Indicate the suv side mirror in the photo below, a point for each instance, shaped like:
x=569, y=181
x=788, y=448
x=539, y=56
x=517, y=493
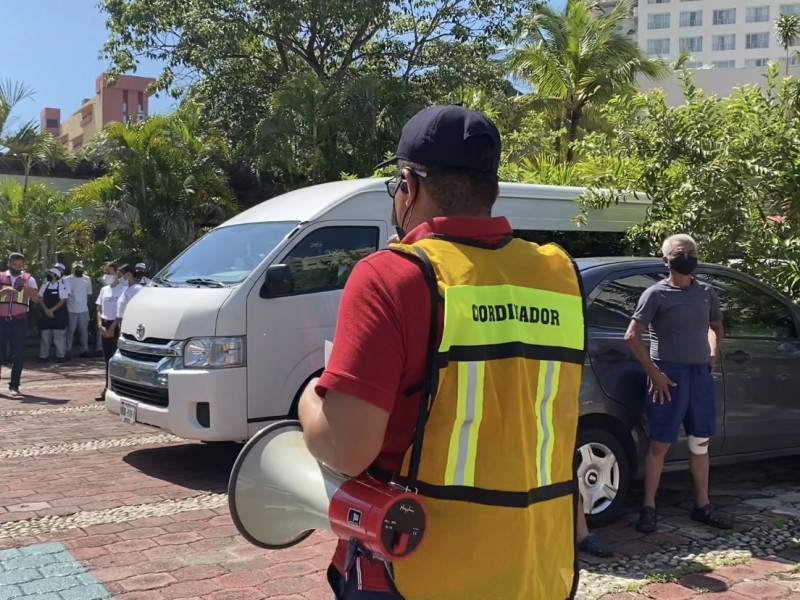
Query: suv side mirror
x=277, y=282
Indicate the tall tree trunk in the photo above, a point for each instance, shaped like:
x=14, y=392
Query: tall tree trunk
x=572, y=131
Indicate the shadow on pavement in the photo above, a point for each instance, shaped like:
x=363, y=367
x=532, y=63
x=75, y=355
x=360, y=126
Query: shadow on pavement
x=204, y=467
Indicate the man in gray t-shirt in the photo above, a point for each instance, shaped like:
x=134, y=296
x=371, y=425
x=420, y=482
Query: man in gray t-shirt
x=685, y=325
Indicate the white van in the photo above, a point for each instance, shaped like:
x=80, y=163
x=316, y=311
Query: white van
x=226, y=336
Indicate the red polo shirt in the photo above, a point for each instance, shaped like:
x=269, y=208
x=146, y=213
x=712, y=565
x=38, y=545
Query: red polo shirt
x=381, y=342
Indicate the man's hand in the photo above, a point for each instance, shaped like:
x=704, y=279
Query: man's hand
x=50, y=314
x=659, y=387
x=104, y=332
x=713, y=360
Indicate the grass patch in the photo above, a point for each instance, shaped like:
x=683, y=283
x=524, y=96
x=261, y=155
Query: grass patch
x=733, y=561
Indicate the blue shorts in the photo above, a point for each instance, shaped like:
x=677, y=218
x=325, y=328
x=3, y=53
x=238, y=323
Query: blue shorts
x=693, y=404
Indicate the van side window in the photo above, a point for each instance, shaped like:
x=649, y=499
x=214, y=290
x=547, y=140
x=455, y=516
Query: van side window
x=324, y=259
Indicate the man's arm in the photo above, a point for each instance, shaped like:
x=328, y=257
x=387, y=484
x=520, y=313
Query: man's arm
x=644, y=315
x=342, y=431
x=633, y=338
x=32, y=292
x=345, y=414
x=716, y=331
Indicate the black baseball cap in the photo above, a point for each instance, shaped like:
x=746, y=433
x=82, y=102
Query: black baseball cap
x=449, y=136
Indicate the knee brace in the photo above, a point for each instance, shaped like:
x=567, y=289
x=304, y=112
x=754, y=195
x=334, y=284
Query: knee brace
x=698, y=445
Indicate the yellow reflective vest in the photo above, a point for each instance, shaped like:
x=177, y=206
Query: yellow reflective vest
x=495, y=460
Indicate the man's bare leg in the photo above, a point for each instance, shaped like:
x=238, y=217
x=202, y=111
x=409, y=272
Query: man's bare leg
x=654, y=465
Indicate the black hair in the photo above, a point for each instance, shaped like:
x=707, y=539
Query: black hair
x=457, y=191
x=15, y=256
x=112, y=265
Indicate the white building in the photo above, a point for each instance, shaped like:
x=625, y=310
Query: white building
x=724, y=34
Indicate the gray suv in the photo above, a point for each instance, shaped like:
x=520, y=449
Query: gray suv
x=757, y=378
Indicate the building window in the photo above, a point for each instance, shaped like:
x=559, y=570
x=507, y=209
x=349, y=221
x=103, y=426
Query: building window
x=694, y=64
x=690, y=44
x=659, y=21
x=756, y=40
x=756, y=62
x=725, y=17
x=724, y=64
x=52, y=124
x=124, y=106
x=790, y=9
x=658, y=1
x=658, y=47
x=723, y=42
x=692, y=18
x=757, y=14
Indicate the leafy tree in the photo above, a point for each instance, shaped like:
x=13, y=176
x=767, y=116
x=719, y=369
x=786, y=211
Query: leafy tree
x=40, y=222
x=306, y=90
x=787, y=29
x=165, y=182
x=576, y=60
x=726, y=170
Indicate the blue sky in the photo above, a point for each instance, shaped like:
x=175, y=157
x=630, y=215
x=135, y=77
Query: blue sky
x=53, y=47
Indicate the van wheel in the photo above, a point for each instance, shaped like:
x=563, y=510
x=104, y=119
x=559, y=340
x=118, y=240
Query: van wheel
x=604, y=475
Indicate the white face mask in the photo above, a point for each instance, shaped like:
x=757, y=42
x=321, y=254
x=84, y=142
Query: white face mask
x=108, y=279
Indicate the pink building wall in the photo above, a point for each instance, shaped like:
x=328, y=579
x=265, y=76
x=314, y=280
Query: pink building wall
x=125, y=100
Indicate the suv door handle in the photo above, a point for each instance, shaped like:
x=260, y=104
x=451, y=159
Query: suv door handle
x=738, y=357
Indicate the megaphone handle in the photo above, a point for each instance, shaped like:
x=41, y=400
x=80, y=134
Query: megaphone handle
x=350, y=557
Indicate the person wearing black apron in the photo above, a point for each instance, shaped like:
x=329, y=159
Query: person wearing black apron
x=54, y=318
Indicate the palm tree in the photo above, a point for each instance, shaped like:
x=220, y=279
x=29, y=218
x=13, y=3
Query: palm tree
x=577, y=59
x=787, y=29
x=11, y=94
x=39, y=220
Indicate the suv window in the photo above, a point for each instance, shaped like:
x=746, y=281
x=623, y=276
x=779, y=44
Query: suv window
x=747, y=312
x=616, y=302
x=324, y=259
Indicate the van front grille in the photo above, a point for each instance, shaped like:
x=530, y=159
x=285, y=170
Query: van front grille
x=142, y=393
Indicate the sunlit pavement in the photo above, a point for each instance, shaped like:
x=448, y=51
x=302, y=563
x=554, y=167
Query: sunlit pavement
x=91, y=508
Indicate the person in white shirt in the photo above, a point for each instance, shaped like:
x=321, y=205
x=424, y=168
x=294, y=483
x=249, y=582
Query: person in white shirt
x=54, y=321
x=133, y=278
x=107, y=301
x=17, y=290
x=80, y=288
x=143, y=268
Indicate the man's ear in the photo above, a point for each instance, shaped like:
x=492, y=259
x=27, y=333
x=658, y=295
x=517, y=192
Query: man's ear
x=413, y=187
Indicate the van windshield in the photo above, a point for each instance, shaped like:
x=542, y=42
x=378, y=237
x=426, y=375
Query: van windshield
x=225, y=256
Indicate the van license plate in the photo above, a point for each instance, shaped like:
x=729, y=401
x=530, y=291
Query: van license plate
x=127, y=412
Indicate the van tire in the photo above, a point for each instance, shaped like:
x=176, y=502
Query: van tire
x=598, y=474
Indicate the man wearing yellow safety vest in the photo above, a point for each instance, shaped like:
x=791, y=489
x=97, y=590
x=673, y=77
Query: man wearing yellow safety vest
x=455, y=369
x=17, y=290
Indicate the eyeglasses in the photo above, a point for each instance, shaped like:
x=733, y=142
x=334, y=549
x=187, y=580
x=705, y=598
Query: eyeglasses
x=393, y=184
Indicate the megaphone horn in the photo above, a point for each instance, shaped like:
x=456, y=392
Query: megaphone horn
x=278, y=494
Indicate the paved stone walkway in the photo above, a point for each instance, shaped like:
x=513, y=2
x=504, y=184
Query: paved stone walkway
x=91, y=508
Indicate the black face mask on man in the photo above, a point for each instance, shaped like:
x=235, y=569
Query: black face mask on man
x=79, y=272
x=685, y=265
x=15, y=272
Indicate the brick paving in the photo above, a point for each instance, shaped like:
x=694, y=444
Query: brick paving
x=92, y=509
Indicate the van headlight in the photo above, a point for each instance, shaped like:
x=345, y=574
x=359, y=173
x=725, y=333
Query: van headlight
x=214, y=353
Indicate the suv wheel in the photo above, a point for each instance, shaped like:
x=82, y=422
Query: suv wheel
x=603, y=475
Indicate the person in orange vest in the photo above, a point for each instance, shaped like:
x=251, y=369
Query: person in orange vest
x=17, y=290
x=455, y=371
